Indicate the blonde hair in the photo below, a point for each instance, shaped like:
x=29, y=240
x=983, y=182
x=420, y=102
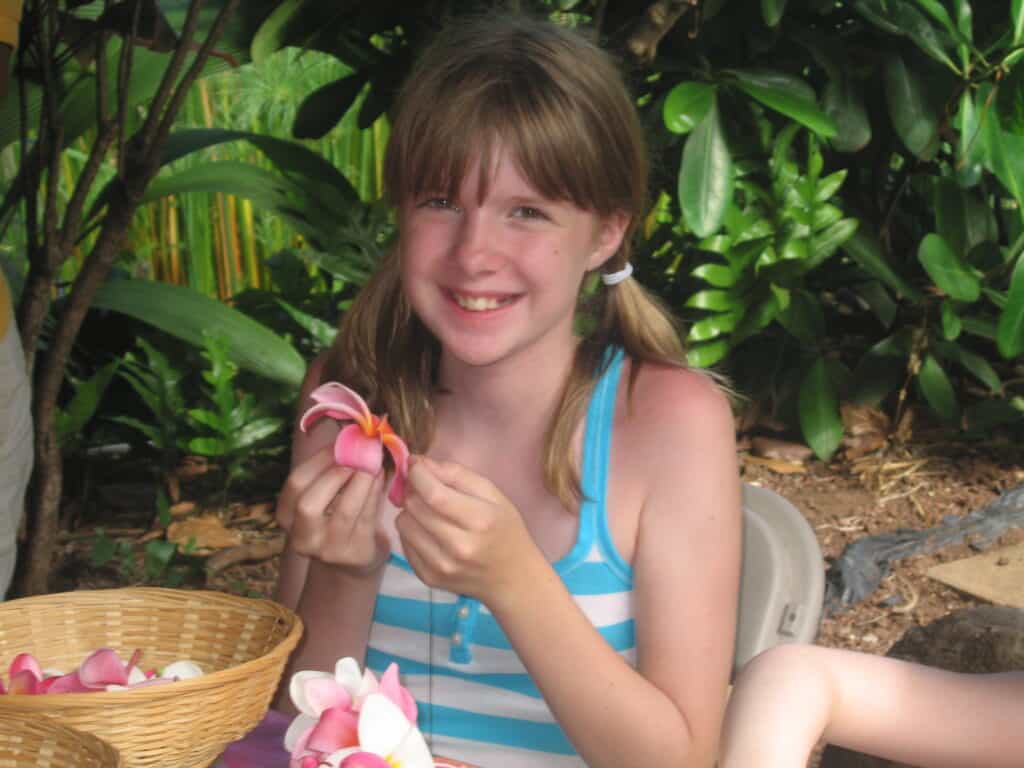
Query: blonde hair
x=557, y=103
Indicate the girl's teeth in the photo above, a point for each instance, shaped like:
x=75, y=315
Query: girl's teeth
x=478, y=304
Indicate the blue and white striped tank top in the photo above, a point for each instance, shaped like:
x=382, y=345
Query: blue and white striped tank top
x=476, y=700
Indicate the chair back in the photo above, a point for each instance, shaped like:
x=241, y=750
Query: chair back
x=782, y=581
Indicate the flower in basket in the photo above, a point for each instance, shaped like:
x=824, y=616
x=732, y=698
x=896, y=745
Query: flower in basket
x=352, y=720
x=360, y=445
x=102, y=670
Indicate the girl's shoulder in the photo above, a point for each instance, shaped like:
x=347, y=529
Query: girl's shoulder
x=668, y=411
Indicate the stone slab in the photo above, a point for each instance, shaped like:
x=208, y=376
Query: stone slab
x=996, y=576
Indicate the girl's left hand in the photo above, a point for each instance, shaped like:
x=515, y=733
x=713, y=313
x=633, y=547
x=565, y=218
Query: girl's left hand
x=459, y=532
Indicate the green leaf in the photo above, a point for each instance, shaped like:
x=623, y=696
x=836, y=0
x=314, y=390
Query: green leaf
x=186, y=314
x=951, y=325
x=937, y=389
x=772, y=10
x=913, y=117
x=706, y=355
x=74, y=417
x=686, y=105
x=323, y=332
x=713, y=326
x=1004, y=153
x=1010, y=328
x=974, y=364
x=717, y=275
x=804, y=318
x=256, y=430
x=787, y=95
x=1017, y=16
x=824, y=244
x=705, y=176
x=818, y=407
x=208, y=446
x=844, y=103
x=714, y=300
x=901, y=18
x=270, y=36
x=875, y=295
x=829, y=185
x=867, y=252
x=321, y=110
x=876, y=377
x=947, y=270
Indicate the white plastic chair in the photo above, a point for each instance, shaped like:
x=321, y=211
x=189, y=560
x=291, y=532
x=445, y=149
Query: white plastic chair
x=782, y=582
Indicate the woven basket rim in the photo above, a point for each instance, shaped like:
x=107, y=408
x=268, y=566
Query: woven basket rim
x=155, y=692
x=80, y=738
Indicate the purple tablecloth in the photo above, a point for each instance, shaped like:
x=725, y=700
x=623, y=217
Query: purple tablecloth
x=263, y=747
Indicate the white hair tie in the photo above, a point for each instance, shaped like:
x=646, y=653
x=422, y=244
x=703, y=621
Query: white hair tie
x=614, y=278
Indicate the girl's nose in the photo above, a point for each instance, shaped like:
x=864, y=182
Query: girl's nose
x=477, y=244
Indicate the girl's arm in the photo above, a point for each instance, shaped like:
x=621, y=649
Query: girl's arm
x=686, y=578
x=334, y=603
x=791, y=695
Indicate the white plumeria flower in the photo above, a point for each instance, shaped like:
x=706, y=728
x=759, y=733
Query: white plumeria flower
x=179, y=670
x=385, y=731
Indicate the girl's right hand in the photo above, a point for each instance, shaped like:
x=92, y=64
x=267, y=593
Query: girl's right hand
x=332, y=514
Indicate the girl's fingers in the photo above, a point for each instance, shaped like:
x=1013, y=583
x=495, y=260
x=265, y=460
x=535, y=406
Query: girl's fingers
x=421, y=548
x=298, y=481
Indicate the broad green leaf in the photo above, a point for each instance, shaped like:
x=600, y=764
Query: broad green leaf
x=970, y=151
x=717, y=275
x=938, y=12
x=937, y=389
x=705, y=176
x=961, y=218
x=787, y=95
x=913, y=117
x=980, y=326
x=951, y=325
x=1004, y=152
x=818, y=407
x=875, y=295
x=974, y=364
x=899, y=17
x=706, y=355
x=186, y=314
x=772, y=10
x=714, y=300
x=828, y=186
x=876, y=377
x=1010, y=328
x=256, y=430
x=947, y=270
x=322, y=331
x=321, y=110
x=844, y=103
x=1017, y=16
x=804, y=318
x=686, y=105
x=867, y=252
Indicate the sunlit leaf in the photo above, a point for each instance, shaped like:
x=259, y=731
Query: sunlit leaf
x=951, y=325
x=686, y=105
x=706, y=355
x=772, y=10
x=787, y=95
x=705, y=176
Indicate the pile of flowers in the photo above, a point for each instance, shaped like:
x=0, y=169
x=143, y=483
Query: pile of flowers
x=102, y=670
x=352, y=720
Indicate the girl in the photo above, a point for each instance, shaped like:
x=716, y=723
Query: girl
x=560, y=586
x=790, y=696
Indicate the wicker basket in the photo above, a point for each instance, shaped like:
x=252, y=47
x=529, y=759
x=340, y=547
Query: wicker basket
x=241, y=644
x=43, y=743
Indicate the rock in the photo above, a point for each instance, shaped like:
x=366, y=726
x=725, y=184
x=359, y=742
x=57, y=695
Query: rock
x=983, y=639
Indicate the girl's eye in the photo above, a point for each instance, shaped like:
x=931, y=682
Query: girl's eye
x=528, y=212
x=440, y=203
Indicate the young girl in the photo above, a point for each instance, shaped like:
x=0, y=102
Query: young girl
x=560, y=586
x=790, y=696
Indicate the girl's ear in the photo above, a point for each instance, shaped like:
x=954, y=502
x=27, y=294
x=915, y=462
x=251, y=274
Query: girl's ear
x=609, y=238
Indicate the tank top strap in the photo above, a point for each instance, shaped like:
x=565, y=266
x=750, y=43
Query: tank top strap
x=598, y=439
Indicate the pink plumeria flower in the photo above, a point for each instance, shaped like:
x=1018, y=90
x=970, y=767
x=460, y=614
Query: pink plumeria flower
x=102, y=670
x=387, y=739
x=360, y=445
x=329, y=707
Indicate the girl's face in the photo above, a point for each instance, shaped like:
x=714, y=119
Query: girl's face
x=497, y=276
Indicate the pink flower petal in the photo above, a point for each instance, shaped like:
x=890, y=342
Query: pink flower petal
x=104, y=667
x=323, y=410
x=393, y=689
x=354, y=449
x=338, y=728
x=364, y=760
x=400, y=454
x=24, y=682
x=323, y=693
x=26, y=661
x=68, y=683
x=344, y=398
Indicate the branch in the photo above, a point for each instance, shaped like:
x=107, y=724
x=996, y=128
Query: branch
x=166, y=88
x=254, y=550
x=656, y=22
x=124, y=67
